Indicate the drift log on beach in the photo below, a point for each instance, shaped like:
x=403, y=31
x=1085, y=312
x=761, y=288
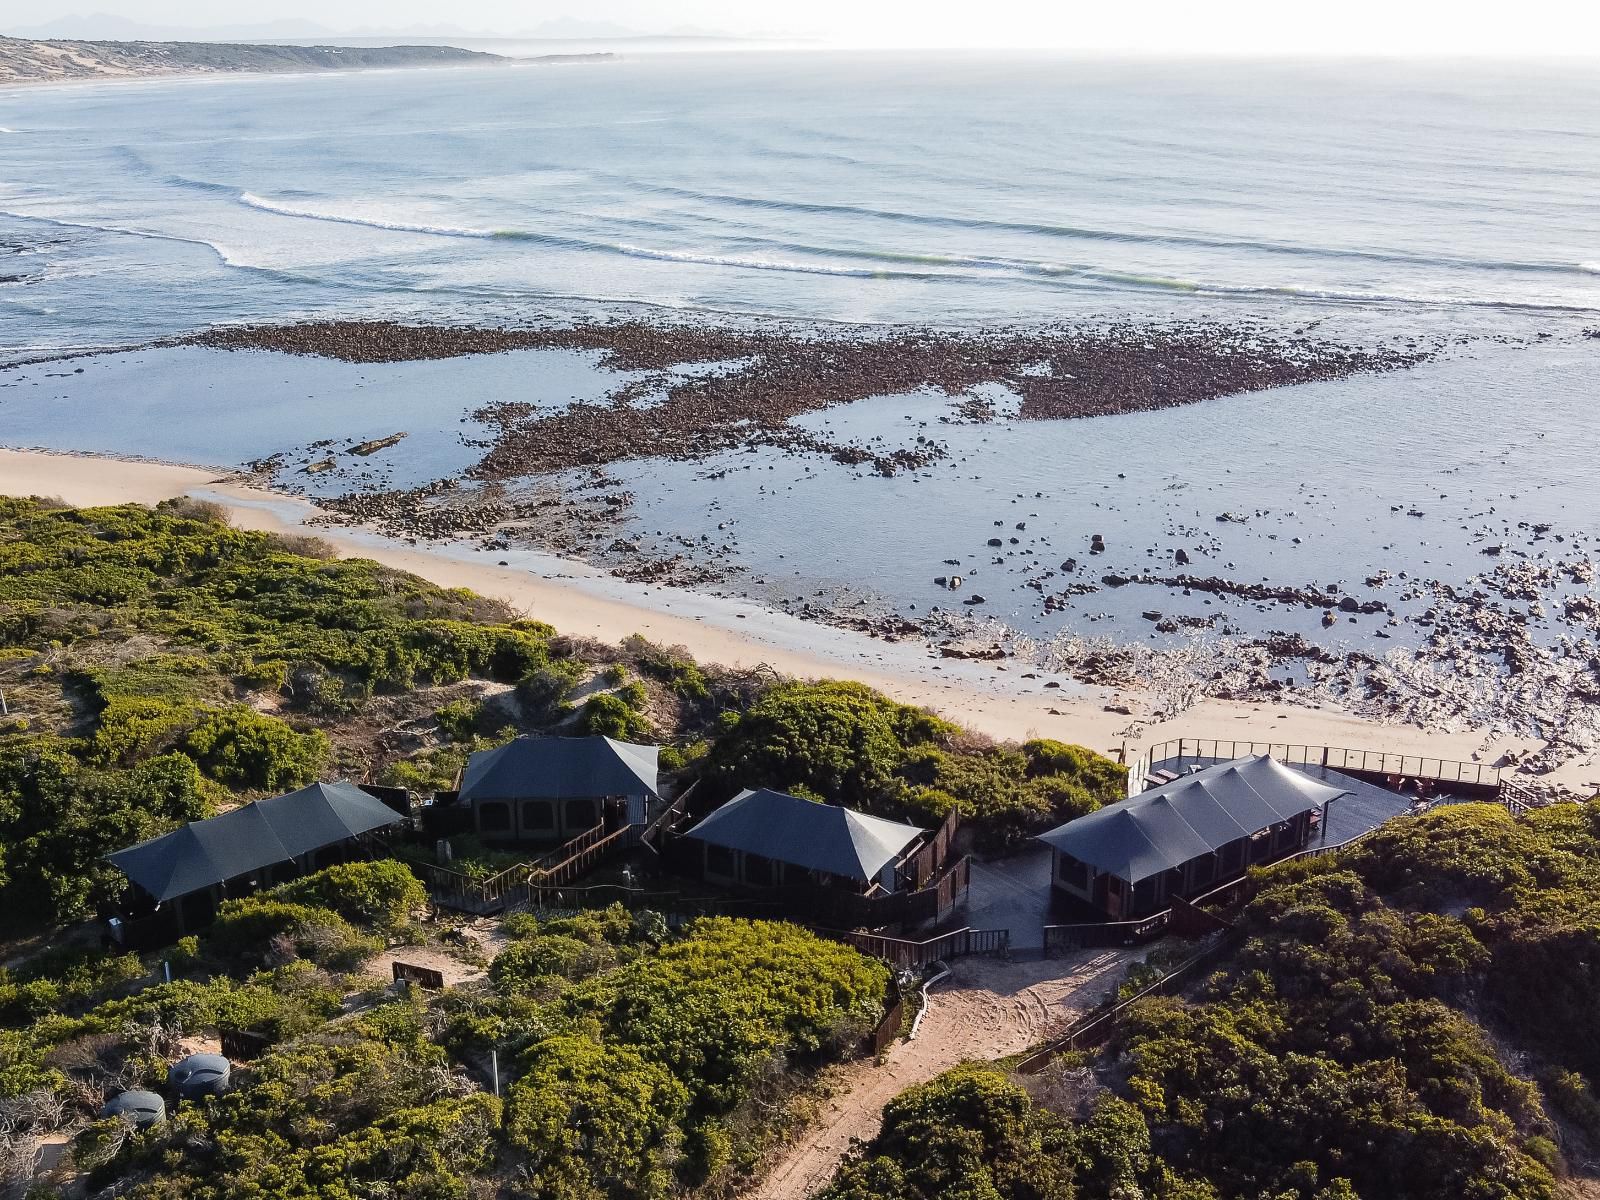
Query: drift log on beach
x=765, y=378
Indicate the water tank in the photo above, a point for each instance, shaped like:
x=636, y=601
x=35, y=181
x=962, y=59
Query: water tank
x=199, y=1075
x=139, y=1109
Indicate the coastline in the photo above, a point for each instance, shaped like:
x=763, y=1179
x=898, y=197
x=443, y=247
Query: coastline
x=579, y=601
x=29, y=60
x=199, y=73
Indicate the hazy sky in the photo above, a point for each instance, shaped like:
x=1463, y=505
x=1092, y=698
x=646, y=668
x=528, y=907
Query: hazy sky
x=1242, y=26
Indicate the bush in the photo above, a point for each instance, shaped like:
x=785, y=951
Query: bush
x=543, y=689
x=845, y=743
x=841, y=741
x=246, y=749
x=459, y=719
x=381, y=895
x=266, y=930
x=608, y=715
x=596, y=1120
x=672, y=667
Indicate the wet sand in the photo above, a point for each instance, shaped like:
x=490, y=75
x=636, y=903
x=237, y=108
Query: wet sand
x=580, y=600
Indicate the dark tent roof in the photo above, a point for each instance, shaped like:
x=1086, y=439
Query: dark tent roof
x=1167, y=826
x=819, y=837
x=250, y=837
x=556, y=768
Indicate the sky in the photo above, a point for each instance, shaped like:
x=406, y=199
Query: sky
x=1382, y=27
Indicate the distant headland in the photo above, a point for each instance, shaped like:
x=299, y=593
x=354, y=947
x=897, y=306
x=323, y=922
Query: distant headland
x=24, y=60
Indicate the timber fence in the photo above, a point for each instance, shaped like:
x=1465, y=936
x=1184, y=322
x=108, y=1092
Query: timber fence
x=1098, y=1028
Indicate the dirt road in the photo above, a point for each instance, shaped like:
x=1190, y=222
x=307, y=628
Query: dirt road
x=987, y=1009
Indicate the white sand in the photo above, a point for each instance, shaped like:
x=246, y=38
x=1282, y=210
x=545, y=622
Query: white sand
x=577, y=601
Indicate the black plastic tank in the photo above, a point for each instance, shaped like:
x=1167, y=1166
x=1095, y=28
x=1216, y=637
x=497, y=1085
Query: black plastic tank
x=198, y=1076
x=139, y=1109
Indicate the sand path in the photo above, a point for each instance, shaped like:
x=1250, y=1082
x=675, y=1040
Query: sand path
x=581, y=601
x=987, y=1009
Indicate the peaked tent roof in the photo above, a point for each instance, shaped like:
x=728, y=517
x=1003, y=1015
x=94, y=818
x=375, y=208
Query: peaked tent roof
x=1167, y=826
x=555, y=768
x=252, y=836
x=819, y=837
x=323, y=814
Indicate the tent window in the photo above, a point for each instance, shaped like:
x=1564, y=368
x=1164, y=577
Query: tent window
x=1232, y=856
x=538, y=815
x=1074, y=873
x=1144, y=894
x=581, y=815
x=757, y=870
x=494, y=817
x=719, y=861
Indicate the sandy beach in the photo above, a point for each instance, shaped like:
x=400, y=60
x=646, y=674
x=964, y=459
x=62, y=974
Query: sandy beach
x=984, y=697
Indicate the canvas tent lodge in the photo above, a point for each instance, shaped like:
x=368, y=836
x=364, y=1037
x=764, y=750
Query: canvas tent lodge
x=824, y=862
x=766, y=838
x=1134, y=858
x=180, y=877
x=551, y=789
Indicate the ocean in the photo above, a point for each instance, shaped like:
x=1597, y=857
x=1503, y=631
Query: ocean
x=849, y=187
x=1454, y=204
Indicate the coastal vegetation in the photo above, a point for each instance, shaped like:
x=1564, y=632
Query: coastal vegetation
x=636, y=1063
x=158, y=665
x=844, y=741
x=1413, y=1019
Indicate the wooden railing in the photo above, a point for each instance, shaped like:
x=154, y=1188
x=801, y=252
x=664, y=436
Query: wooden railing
x=1097, y=1028
x=675, y=906
x=582, y=858
x=450, y=888
x=929, y=857
x=1517, y=799
x=666, y=819
x=900, y=952
x=1061, y=938
x=1338, y=758
x=888, y=1028
x=570, y=847
x=511, y=887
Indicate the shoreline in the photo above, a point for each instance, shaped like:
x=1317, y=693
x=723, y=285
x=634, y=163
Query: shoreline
x=42, y=81
x=29, y=60
x=581, y=601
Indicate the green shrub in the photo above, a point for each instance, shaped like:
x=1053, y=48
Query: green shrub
x=382, y=894
x=246, y=749
x=458, y=719
x=596, y=1120
x=608, y=715
x=672, y=667
x=841, y=741
x=684, y=758
x=266, y=930
x=542, y=691
x=58, y=819
x=845, y=743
